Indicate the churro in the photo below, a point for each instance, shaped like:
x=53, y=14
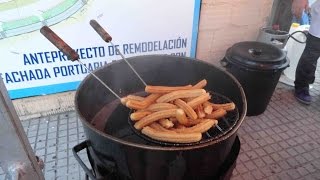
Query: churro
x=166, y=123
x=181, y=117
x=180, y=126
x=158, y=127
x=217, y=114
x=227, y=106
x=134, y=104
x=207, y=107
x=139, y=115
x=165, y=89
x=161, y=106
x=180, y=94
x=154, y=117
x=186, y=108
x=124, y=100
x=202, y=127
x=199, y=100
x=201, y=84
x=171, y=137
x=200, y=111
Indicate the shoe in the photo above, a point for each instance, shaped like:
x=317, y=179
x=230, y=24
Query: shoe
x=303, y=96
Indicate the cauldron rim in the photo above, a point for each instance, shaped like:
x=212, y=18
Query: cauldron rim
x=166, y=148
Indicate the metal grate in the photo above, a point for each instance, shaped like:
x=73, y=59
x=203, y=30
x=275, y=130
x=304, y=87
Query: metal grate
x=224, y=126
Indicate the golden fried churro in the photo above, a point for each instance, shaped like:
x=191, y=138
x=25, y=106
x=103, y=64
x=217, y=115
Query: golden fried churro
x=217, y=114
x=139, y=115
x=158, y=127
x=227, y=106
x=166, y=123
x=180, y=94
x=135, y=97
x=181, y=117
x=180, y=126
x=202, y=127
x=200, y=111
x=161, y=106
x=124, y=100
x=192, y=122
x=165, y=89
x=201, y=84
x=186, y=108
x=171, y=137
x=134, y=104
x=207, y=107
x=199, y=100
x=187, y=99
x=154, y=117
x=150, y=99
x=173, y=119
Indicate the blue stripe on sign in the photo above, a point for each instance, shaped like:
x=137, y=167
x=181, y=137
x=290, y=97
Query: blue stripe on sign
x=195, y=27
x=43, y=90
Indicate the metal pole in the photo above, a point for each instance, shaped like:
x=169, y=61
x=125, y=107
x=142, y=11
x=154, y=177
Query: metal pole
x=17, y=158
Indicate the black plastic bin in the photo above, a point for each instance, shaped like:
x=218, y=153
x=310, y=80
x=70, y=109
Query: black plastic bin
x=258, y=67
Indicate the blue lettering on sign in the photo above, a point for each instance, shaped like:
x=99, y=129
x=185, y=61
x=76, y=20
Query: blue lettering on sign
x=76, y=69
x=53, y=56
x=152, y=46
x=27, y=75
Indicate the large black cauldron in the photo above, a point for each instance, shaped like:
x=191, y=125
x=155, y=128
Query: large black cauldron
x=110, y=137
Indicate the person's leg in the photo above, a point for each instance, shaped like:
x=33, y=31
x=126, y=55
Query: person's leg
x=305, y=72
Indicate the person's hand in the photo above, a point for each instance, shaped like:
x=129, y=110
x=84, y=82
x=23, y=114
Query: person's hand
x=298, y=6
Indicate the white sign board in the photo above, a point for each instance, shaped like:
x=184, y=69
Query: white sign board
x=31, y=65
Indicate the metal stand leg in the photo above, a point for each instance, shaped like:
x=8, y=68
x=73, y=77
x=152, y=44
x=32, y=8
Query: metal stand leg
x=16, y=155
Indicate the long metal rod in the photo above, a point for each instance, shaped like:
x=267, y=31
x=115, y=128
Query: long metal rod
x=144, y=83
x=115, y=94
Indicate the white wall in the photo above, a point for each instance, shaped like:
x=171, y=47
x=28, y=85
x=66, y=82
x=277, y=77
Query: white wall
x=225, y=22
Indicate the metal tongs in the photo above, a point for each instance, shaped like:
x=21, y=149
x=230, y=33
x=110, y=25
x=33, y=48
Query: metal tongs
x=74, y=56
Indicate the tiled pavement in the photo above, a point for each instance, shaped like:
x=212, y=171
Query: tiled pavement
x=282, y=143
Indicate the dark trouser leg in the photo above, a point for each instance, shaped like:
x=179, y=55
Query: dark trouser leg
x=305, y=72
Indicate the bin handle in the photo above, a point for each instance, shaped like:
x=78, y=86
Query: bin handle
x=255, y=52
x=224, y=63
x=85, y=145
x=78, y=148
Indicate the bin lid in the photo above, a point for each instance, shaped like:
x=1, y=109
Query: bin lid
x=257, y=55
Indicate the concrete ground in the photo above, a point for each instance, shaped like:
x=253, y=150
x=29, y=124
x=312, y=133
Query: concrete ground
x=282, y=143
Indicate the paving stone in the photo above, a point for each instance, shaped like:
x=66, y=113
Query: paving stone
x=276, y=157
x=293, y=173
x=300, y=159
x=62, y=162
x=268, y=160
x=50, y=175
x=259, y=162
x=284, y=165
x=257, y=174
x=260, y=152
x=247, y=175
x=51, y=157
x=250, y=165
x=284, y=176
x=50, y=166
x=302, y=171
x=252, y=155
